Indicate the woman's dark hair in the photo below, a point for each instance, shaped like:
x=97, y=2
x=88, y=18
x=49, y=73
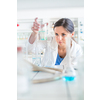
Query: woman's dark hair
x=67, y=25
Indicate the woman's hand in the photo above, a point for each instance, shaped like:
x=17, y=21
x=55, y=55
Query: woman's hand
x=36, y=26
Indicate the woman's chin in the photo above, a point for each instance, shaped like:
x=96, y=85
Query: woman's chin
x=60, y=44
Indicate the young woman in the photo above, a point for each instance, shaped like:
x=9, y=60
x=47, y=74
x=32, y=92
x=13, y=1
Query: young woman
x=63, y=28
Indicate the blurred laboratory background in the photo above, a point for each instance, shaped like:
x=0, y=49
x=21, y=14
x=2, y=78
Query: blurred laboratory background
x=48, y=11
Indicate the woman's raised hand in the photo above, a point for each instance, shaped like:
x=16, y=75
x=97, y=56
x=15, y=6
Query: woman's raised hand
x=36, y=26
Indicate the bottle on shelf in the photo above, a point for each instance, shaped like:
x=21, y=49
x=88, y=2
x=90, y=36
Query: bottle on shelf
x=52, y=26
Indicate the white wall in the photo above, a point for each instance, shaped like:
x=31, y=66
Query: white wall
x=51, y=13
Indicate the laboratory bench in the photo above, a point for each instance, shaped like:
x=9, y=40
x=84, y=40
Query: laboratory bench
x=59, y=89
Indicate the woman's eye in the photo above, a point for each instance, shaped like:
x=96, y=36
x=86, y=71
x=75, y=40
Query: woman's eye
x=56, y=34
x=63, y=34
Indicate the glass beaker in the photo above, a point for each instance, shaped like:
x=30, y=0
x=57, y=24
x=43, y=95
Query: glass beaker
x=41, y=35
x=36, y=56
x=43, y=31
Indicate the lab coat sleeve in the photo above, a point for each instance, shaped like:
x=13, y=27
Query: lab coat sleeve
x=79, y=53
x=41, y=44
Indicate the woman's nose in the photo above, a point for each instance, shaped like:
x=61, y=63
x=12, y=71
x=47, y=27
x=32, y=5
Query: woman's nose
x=60, y=37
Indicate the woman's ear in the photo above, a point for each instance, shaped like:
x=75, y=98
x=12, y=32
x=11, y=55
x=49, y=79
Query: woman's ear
x=72, y=34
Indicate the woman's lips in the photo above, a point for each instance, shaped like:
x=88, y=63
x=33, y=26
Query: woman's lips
x=60, y=42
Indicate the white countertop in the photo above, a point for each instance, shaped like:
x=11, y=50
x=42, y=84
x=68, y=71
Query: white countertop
x=59, y=89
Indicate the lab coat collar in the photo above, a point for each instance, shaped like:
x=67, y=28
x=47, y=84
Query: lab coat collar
x=72, y=50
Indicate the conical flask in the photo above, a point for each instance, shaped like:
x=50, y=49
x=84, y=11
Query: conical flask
x=68, y=71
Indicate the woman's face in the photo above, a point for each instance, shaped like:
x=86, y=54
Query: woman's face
x=60, y=35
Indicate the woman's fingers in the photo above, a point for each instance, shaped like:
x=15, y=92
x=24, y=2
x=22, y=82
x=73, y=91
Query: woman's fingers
x=37, y=26
x=36, y=19
x=44, y=24
x=36, y=23
x=34, y=29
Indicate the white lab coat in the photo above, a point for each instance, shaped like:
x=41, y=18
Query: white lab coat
x=75, y=50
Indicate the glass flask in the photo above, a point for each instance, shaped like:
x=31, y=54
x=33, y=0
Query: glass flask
x=43, y=31
x=36, y=57
x=36, y=54
x=47, y=61
x=42, y=35
x=69, y=72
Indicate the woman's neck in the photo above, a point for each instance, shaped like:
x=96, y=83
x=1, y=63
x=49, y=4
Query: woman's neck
x=63, y=47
